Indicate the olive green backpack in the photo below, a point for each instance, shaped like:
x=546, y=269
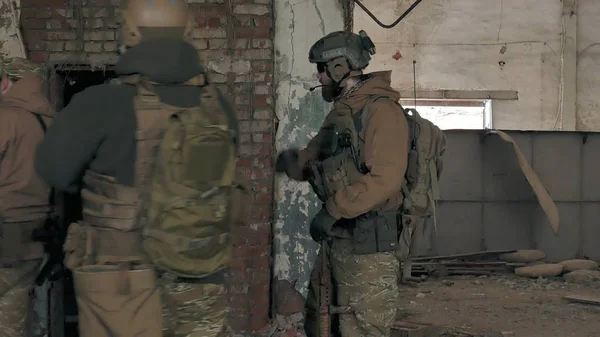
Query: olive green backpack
x=420, y=188
x=194, y=196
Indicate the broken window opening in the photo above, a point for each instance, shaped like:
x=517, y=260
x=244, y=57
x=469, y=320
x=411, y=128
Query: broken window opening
x=454, y=114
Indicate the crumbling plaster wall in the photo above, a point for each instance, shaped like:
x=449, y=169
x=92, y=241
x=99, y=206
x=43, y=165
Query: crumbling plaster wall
x=11, y=41
x=298, y=24
x=498, y=45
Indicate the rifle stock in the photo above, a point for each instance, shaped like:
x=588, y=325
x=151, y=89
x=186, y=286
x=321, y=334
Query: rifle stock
x=324, y=292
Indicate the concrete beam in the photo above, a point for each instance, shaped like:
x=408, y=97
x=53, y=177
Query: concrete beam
x=462, y=94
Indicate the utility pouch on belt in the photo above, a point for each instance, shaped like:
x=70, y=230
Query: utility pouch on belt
x=405, y=241
x=376, y=232
x=118, y=301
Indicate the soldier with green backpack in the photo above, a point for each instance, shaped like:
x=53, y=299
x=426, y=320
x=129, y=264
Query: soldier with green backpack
x=154, y=158
x=372, y=164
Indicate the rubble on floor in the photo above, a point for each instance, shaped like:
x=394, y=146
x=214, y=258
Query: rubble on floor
x=498, y=305
x=525, y=263
x=510, y=293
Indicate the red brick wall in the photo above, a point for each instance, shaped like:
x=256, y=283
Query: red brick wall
x=236, y=35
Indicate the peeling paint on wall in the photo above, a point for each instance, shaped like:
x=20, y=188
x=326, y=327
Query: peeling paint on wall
x=298, y=24
x=11, y=42
x=296, y=202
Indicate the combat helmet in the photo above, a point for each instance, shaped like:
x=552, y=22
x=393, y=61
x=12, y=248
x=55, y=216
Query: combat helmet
x=148, y=19
x=16, y=67
x=342, y=54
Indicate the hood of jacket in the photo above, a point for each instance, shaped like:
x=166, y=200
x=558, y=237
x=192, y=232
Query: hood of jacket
x=164, y=60
x=378, y=84
x=28, y=93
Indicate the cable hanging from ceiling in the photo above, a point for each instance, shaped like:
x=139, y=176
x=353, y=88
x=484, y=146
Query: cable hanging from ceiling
x=400, y=18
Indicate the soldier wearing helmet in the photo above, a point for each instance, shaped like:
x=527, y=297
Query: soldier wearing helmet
x=104, y=144
x=356, y=165
x=24, y=196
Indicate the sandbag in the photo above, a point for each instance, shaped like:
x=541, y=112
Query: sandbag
x=540, y=270
x=583, y=276
x=117, y=303
x=578, y=264
x=523, y=256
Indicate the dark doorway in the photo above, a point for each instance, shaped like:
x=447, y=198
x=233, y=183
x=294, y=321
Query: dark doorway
x=77, y=78
x=70, y=81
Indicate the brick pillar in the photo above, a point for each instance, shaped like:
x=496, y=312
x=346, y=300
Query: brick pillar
x=235, y=42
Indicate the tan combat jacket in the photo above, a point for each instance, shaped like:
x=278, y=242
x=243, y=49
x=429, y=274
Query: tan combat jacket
x=24, y=196
x=385, y=151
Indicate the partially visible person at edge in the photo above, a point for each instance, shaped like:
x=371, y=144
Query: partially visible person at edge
x=367, y=282
x=92, y=146
x=24, y=196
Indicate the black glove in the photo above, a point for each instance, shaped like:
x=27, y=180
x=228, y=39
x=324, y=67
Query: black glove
x=285, y=160
x=322, y=225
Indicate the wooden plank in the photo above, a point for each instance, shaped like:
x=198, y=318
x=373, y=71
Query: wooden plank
x=467, y=255
x=414, y=329
x=461, y=263
x=595, y=300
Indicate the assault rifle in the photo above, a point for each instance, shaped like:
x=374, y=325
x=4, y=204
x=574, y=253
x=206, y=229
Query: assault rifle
x=52, y=236
x=325, y=307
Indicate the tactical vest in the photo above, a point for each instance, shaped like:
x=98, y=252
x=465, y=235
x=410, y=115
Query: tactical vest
x=114, y=214
x=340, y=157
x=341, y=163
x=173, y=217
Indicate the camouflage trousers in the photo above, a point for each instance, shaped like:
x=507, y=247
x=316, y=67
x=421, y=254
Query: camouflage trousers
x=193, y=308
x=368, y=284
x=16, y=284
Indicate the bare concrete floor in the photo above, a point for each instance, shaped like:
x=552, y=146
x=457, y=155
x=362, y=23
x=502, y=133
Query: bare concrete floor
x=507, y=305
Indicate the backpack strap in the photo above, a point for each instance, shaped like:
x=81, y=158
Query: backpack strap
x=44, y=127
x=362, y=117
x=362, y=120
x=147, y=93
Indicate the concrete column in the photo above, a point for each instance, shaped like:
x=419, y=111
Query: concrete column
x=298, y=24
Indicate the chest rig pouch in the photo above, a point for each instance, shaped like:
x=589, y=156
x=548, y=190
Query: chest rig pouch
x=336, y=165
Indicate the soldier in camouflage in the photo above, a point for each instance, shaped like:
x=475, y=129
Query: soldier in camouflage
x=105, y=142
x=356, y=165
x=24, y=196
